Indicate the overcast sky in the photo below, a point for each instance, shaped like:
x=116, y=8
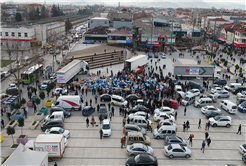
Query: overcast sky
x=147, y=3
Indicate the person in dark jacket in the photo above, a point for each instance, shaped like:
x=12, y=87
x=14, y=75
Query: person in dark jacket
x=206, y=135
x=128, y=120
x=239, y=129
x=187, y=124
x=87, y=122
x=208, y=124
x=209, y=141
x=190, y=140
x=185, y=111
x=101, y=133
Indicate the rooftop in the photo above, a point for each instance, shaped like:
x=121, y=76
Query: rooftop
x=219, y=19
x=120, y=32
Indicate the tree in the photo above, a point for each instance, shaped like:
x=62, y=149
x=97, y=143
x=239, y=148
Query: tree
x=32, y=14
x=48, y=90
x=42, y=96
x=21, y=123
x=37, y=101
x=37, y=14
x=55, y=11
x=11, y=131
x=17, y=106
x=23, y=101
x=68, y=25
x=29, y=94
x=43, y=12
x=18, y=17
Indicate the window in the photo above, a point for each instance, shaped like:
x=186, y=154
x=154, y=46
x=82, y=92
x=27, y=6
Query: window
x=13, y=34
x=141, y=139
x=19, y=43
x=105, y=22
x=1, y=33
x=26, y=35
x=6, y=34
x=19, y=34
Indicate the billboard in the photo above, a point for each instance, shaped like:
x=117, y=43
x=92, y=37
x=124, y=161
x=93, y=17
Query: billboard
x=194, y=70
x=61, y=78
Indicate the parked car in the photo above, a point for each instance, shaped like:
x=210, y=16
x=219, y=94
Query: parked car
x=220, y=82
x=58, y=51
x=242, y=107
x=103, y=111
x=210, y=114
x=213, y=86
x=242, y=148
x=176, y=150
x=166, y=122
x=150, y=56
x=162, y=116
x=58, y=130
x=163, y=56
x=156, y=55
x=45, y=84
x=13, y=91
x=12, y=86
x=138, y=108
x=132, y=127
x=216, y=89
x=167, y=110
x=195, y=92
x=174, y=140
x=52, y=123
x=171, y=103
x=142, y=159
x=222, y=93
x=209, y=108
x=65, y=112
x=212, y=97
x=59, y=90
x=105, y=97
x=132, y=97
x=138, y=148
x=88, y=110
x=221, y=121
x=106, y=127
x=241, y=95
x=244, y=158
x=139, y=113
x=6, y=73
x=51, y=51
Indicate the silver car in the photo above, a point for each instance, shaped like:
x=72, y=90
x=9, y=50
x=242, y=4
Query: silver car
x=138, y=148
x=222, y=93
x=132, y=127
x=176, y=150
x=174, y=140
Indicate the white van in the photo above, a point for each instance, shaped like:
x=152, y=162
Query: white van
x=188, y=99
x=25, y=61
x=141, y=121
x=232, y=86
x=118, y=100
x=228, y=106
x=203, y=102
x=68, y=102
x=164, y=131
x=55, y=115
x=178, y=88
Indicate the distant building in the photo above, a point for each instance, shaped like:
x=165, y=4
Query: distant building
x=97, y=35
x=98, y=21
x=122, y=23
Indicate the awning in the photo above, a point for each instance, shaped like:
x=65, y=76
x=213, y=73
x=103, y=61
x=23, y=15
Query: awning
x=239, y=45
x=221, y=39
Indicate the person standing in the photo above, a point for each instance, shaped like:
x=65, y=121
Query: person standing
x=35, y=108
x=206, y=135
x=86, y=91
x=199, y=123
x=184, y=126
x=112, y=109
x=239, y=129
x=96, y=99
x=151, y=127
x=92, y=121
x=147, y=126
x=187, y=124
x=208, y=141
x=109, y=106
x=176, y=114
x=124, y=121
x=9, y=114
x=190, y=140
x=128, y=120
x=87, y=122
x=2, y=122
x=185, y=111
x=203, y=146
x=90, y=102
x=25, y=112
x=55, y=164
x=101, y=133
x=110, y=115
x=122, y=141
x=208, y=125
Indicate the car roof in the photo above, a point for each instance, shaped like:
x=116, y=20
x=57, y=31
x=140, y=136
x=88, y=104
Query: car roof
x=172, y=137
x=55, y=128
x=165, y=107
x=166, y=120
x=130, y=125
x=106, y=121
x=210, y=106
x=175, y=146
x=137, y=145
x=134, y=133
x=163, y=113
x=53, y=120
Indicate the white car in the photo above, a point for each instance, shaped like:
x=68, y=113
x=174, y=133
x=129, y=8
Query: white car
x=177, y=150
x=106, y=127
x=242, y=148
x=58, y=130
x=222, y=93
x=59, y=90
x=139, y=113
x=178, y=88
x=12, y=86
x=166, y=123
x=6, y=73
x=216, y=89
x=209, y=108
x=241, y=95
x=195, y=92
x=221, y=121
x=167, y=110
x=163, y=56
x=163, y=116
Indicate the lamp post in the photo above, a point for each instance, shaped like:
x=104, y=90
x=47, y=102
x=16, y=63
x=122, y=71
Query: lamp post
x=192, y=37
x=213, y=38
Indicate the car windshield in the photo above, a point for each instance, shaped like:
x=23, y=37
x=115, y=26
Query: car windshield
x=160, y=130
x=139, y=128
x=243, y=104
x=216, y=118
x=61, y=130
x=200, y=101
x=182, y=147
x=131, y=146
x=191, y=91
x=209, y=111
x=103, y=110
x=145, y=147
x=137, y=158
x=169, y=147
x=106, y=127
x=45, y=83
x=144, y=137
x=186, y=99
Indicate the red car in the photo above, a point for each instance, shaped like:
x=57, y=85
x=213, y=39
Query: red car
x=171, y=103
x=141, y=69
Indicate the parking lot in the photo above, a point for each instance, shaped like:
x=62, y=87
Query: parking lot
x=86, y=148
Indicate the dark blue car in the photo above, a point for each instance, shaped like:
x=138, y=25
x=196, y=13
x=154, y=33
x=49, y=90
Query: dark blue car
x=88, y=110
x=242, y=107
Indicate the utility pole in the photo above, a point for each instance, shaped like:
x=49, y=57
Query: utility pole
x=151, y=28
x=171, y=39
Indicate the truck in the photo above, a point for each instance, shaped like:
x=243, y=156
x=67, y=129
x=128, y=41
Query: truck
x=70, y=70
x=54, y=144
x=193, y=71
x=136, y=61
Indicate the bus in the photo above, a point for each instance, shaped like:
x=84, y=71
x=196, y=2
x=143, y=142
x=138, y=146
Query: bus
x=31, y=74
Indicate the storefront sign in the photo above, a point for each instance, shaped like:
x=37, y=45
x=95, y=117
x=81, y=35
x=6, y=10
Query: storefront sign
x=119, y=41
x=239, y=45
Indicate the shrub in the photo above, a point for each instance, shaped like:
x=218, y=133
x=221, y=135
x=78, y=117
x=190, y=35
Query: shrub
x=222, y=60
x=225, y=63
x=23, y=101
x=237, y=66
x=34, y=123
x=11, y=131
x=21, y=123
x=29, y=94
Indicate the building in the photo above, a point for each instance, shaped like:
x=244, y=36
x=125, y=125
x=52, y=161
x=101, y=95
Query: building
x=240, y=38
x=123, y=37
x=34, y=6
x=117, y=22
x=98, y=21
x=97, y=35
x=23, y=36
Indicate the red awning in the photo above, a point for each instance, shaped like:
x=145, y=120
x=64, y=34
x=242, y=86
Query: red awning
x=221, y=39
x=157, y=45
x=239, y=45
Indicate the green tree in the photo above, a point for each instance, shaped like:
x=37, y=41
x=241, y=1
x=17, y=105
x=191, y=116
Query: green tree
x=21, y=123
x=17, y=106
x=37, y=14
x=42, y=96
x=68, y=25
x=18, y=17
x=29, y=94
x=23, y=101
x=48, y=89
x=43, y=11
x=37, y=101
x=11, y=131
x=54, y=12
x=32, y=14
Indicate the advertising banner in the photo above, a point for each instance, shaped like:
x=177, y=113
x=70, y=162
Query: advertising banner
x=194, y=70
x=61, y=78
